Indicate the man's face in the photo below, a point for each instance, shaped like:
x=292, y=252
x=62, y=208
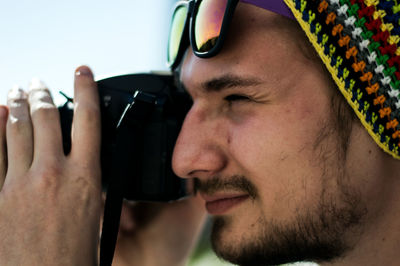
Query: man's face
x=273, y=150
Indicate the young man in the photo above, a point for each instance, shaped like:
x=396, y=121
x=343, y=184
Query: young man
x=285, y=168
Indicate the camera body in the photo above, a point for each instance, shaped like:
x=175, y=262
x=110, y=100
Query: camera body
x=141, y=116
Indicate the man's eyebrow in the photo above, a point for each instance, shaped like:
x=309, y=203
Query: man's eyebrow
x=228, y=81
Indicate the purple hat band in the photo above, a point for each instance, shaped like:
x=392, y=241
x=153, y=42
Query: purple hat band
x=276, y=6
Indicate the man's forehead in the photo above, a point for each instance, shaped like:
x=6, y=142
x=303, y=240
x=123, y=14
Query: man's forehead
x=256, y=36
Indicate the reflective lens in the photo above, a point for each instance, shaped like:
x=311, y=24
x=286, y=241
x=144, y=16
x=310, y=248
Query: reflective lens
x=175, y=35
x=208, y=23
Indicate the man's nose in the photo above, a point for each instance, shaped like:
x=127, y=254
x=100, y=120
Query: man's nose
x=199, y=150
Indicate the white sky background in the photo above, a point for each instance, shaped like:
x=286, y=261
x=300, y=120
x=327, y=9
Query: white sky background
x=49, y=39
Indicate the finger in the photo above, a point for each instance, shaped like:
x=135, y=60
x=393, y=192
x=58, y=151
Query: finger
x=3, y=146
x=46, y=123
x=86, y=122
x=19, y=132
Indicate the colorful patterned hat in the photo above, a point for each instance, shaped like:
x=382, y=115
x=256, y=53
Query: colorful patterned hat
x=358, y=42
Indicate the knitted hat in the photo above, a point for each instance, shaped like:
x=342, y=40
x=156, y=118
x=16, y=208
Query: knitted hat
x=357, y=41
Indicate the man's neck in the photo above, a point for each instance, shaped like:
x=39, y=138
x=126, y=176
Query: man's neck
x=379, y=241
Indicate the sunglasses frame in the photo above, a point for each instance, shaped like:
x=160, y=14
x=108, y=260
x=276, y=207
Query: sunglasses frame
x=188, y=34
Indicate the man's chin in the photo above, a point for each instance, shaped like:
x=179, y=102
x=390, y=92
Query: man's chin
x=275, y=244
x=232, y=244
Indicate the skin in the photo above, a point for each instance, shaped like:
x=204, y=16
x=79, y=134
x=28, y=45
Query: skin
x=41, y=187
x=277, y=132
x=265, y=111
x=51, y=204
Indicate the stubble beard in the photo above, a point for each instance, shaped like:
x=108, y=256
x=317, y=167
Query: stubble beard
x=319, y=234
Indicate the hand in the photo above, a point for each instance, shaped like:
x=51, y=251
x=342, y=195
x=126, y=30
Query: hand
x=153, y=234
x=50, y=204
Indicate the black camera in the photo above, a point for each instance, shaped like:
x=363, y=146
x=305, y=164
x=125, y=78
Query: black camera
x=141, y=117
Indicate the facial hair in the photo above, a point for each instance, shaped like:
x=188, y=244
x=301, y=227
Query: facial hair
x=317, y=234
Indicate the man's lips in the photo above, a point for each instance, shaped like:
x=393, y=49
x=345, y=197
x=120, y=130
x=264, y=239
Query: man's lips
x=219, y=204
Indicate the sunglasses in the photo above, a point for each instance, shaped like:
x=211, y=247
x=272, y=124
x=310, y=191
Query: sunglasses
x=203, y=24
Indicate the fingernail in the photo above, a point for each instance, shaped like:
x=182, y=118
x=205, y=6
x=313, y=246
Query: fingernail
x=16, y=93
x=37, y=84
x=84, y=71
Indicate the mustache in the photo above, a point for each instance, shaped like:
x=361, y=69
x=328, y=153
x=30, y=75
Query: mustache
x=217, y=183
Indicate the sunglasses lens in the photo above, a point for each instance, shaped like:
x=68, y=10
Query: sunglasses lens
x=176, y=31
x=208, y=23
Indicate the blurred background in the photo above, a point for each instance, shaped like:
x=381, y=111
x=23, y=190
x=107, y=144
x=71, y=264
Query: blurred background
x=49, y=39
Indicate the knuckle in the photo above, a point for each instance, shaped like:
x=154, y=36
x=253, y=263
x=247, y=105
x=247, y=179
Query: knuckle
x=16, y=103
x=47, y=178
x=89, y=111
x=87, y=178
x=19, y=111
x=40, y=95
x=88, y=114
x=54, y=178
x=41, y=103
x=16, y=96
x=19, y=125
x=84, y=185
x=44, y=110
x=50, y=172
